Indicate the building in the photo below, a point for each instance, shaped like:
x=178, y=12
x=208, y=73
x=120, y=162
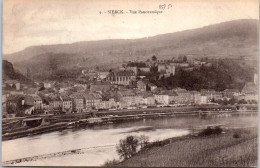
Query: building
x=127, y=98
x=38, y=105
x=162, y=98
x=184, y=97
x=102, y=75
x=78, y=102
x=110, y=104
x=133, y=68
x=195, y=97
x=166, y=68
x=141, y=86
x=148, y=99
x=55, y=103
x=144, y=69
x=101, y=87
x=152, y=86
x=250, y=92
x=92, y=100
x=173, y=96
x=67, y=104
x=212, y=94
x=203, y=99
x=48, y=84
x=124, y=77
x=230, y=93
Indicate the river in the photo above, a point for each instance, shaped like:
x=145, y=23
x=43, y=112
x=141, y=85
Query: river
x=100, y=142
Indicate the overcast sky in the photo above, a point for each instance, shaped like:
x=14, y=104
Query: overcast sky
x=40, y=22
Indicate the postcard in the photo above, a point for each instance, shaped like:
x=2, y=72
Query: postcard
x=170, y=83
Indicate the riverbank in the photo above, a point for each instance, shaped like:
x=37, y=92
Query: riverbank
x=64, y=122
x=76, y=146
x=233, y=148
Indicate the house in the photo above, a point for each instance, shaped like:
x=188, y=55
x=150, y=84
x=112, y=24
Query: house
x=91, y=75
x=230, y=93
x=37, y=101
x=212, y=94
x=47, y=92
x=144, y=69
x=203, y=99
x=48, y=84
x=166, y=68
x=67, y=104
x=92, y=100
x=250, y=91
x=101, y=87
x=55, y=103
x=31, y=91
x=124, y=77
x=184, y=97
x=110, y=104
x=150, y=100
x=173, y=97
x=162, y=98
x=78, y=102
x=133, y=68
x=102, y=75
x=195, y=97
x=141, y=86
x=139, y=99
x=16, y=92
x=127, y=97
x=152, y=86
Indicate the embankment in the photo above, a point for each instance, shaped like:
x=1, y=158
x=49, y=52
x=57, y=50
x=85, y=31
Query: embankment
x=234, y=148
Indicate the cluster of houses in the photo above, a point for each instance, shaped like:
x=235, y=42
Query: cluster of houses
x=115, y=89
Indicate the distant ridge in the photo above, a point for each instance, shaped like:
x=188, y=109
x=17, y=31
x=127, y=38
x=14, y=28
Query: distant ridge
x=238, y=37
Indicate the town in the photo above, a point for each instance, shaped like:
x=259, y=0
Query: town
x=132, y=86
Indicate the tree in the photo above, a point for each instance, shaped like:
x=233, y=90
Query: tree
x=127, y=147
x=154, y=58
x=143, y=140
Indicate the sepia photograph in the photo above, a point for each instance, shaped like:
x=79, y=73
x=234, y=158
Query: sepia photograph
x=120, y=83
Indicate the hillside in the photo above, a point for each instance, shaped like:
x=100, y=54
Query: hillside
x=8, y=73
x=237, y=38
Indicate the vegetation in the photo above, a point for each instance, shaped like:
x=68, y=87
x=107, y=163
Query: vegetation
x=211, y=131
x=219, y=76
x=143, y=141
x=136, y=64
x=154, y=58
x=111, y=163
x=127, y=147
x=202, y=151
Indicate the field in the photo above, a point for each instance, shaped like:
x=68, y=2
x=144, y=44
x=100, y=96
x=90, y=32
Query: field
x=235, y=147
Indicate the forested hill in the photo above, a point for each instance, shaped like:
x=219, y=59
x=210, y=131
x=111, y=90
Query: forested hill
x=237, y=38
x=8, y=73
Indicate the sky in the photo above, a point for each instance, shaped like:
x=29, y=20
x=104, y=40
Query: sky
x=37, y=22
